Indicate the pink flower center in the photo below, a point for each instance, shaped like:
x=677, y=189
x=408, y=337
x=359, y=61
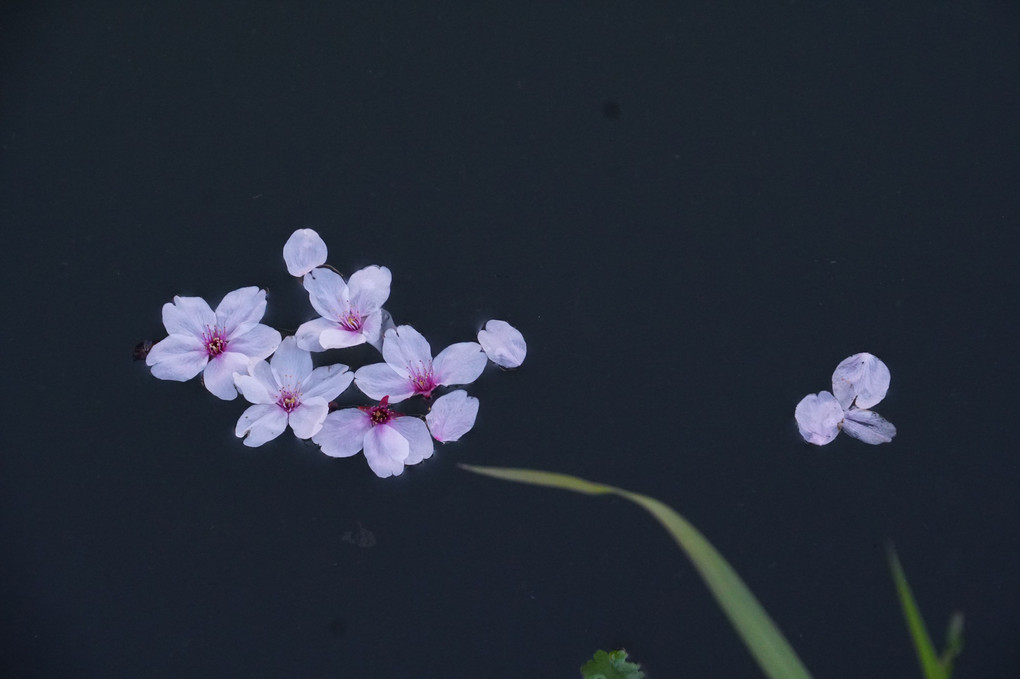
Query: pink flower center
x=380, y=414
x=352, y=321
x=215, y=341
x=289, y=400
x=422, y=379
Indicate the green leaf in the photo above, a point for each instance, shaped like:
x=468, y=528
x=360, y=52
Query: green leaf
x=612, y=665
x=761, y=636
x=932, y=666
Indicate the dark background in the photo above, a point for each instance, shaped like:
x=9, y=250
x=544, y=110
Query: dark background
x=692, y=212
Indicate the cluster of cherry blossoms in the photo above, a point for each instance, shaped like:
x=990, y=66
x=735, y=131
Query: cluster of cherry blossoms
x=858, y=383
x=230, y=348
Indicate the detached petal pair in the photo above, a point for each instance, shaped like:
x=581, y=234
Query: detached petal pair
x=410, y=369
x=215, y=343
x=288, y=391
x=859, y=382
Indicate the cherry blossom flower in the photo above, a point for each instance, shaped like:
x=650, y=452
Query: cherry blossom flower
x=215, y=343
x=351, y=313
x=304, y=251
x=503, y=344
x=390, y=440
x=288, y=391
x=410, y=369
x=452, y=416
x=858, y=383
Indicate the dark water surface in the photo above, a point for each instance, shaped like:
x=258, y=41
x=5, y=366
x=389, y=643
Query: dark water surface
x=693, y=213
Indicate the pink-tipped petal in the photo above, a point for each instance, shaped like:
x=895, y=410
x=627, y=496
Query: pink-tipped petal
x=503, y=344
x=452, y=416
x=304, y=251
x=818, y=417
x=459, y=363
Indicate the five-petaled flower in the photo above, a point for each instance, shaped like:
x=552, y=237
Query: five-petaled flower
x=288, y=391
x=390, y=440
x=351, y=313
x=859, y=382
x=410, y=369
x=215, y=343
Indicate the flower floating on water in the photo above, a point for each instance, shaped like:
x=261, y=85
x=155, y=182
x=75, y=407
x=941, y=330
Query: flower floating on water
x=390, y=439
x=503, y=344
x=288, y=391
x=410, y=369
x=351, y=312
x=304, y=251
x=452, y=416
x=215, y=343
x=858, y=383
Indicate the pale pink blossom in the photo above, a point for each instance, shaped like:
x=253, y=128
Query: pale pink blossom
x=859, y=382
x=351, y=312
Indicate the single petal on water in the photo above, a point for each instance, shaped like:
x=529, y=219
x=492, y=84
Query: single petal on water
x=868, y=426
x=818, y=417
x=419, y=442
x=188, y=316
x=306, y=420
x=452, y=415
x=304, y=251
x=261, y=423
x=177, y=357
x=459, y=363
x=386, y=450
x=503, y=344
x=861, y=380
x=343, y=432
x=379, y=379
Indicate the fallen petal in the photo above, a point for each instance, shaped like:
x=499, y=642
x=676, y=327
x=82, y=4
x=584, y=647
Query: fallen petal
x=868, y=426
x=818, y=417
x=452, y=416
x=861, y=380
x=503, y=344
x=304, y=251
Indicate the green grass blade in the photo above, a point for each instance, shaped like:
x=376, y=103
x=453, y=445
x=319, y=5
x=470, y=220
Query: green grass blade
x=761, y=636
x=930, y=664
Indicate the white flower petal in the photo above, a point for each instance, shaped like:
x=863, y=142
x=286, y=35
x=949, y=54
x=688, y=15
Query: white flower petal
x=256, y=390
x=338, y=337
x=385, y=324
x=241, y=310
x=258, y=343
x=308, y=333
x=503, y=344
x=291, y=363
x=404, y=346
x=261, y=423
x=306, y=420
x=369, y=288
x=379, y=380
x=327, y=292
x=177, y=357
x=818, y=417
x=459, y=363
x=452, y=415
x=386, y=450
x=868, y=426
x=417, y=435
x=219, y=374
x=188, y=316
x=327, y=381
x=304, y=251
x=861, y=380
x=343, y=432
